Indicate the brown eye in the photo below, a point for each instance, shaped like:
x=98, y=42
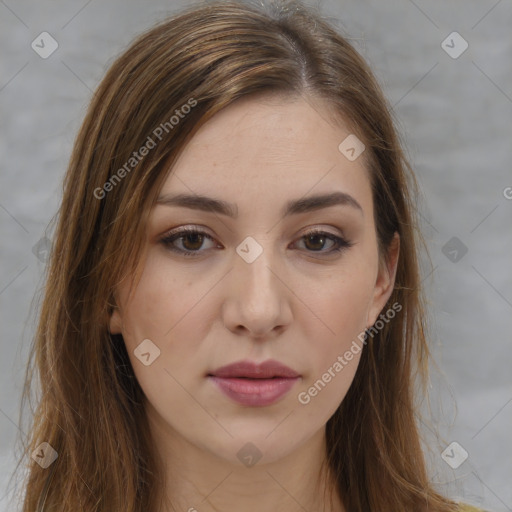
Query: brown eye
x=192, y=240
x=315, y=241
x=196, y=240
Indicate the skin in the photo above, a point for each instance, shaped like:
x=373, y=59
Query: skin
x=297, y=302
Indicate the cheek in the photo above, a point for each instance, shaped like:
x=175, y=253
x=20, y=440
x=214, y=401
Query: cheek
x=162, y=303
x=166, y=308
x=339, y=301
x=335, y=331
x=172, y=310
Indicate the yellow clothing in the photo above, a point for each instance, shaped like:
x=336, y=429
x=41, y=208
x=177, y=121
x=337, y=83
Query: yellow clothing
x=468, y=508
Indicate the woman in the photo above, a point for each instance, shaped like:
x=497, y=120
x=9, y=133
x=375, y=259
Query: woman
x=232, y=318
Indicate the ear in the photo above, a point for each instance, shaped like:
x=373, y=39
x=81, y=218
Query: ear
x=115, y=321
x=385, y=281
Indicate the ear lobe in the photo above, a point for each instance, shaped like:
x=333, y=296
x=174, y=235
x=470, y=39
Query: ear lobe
x=385, y=282
x=115, y=322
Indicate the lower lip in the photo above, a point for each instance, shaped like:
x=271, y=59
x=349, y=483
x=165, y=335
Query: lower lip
x=255, y=392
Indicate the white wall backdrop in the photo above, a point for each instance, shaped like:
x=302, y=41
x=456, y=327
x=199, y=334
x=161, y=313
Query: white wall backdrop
x=454, y=107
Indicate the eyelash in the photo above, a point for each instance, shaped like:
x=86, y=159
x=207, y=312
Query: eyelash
x=167, y=241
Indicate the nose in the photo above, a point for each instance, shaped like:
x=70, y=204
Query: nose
x=258, y=300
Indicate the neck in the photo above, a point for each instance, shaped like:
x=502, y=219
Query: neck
x=197, y=480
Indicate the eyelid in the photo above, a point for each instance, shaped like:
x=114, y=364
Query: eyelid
x=191, y=228
x=198, y=228
x=318, y=228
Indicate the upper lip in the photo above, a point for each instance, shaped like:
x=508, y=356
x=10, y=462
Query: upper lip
x=248, y=369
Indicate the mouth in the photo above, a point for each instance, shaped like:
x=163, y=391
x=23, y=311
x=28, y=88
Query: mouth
x=254, y=385
x=249, y=370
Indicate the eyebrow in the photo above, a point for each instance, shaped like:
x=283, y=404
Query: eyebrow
x=294, y=207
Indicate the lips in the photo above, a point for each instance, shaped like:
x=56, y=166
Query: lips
x=249, y=370
x=254, y=385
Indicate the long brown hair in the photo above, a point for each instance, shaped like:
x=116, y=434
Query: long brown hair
x=90, y=409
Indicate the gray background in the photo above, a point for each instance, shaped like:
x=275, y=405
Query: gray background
x=455, y=117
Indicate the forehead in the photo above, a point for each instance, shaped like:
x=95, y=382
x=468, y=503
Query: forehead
x=268, y=149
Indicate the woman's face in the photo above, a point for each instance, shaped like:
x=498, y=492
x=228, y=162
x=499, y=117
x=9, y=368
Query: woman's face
x=257, y=283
